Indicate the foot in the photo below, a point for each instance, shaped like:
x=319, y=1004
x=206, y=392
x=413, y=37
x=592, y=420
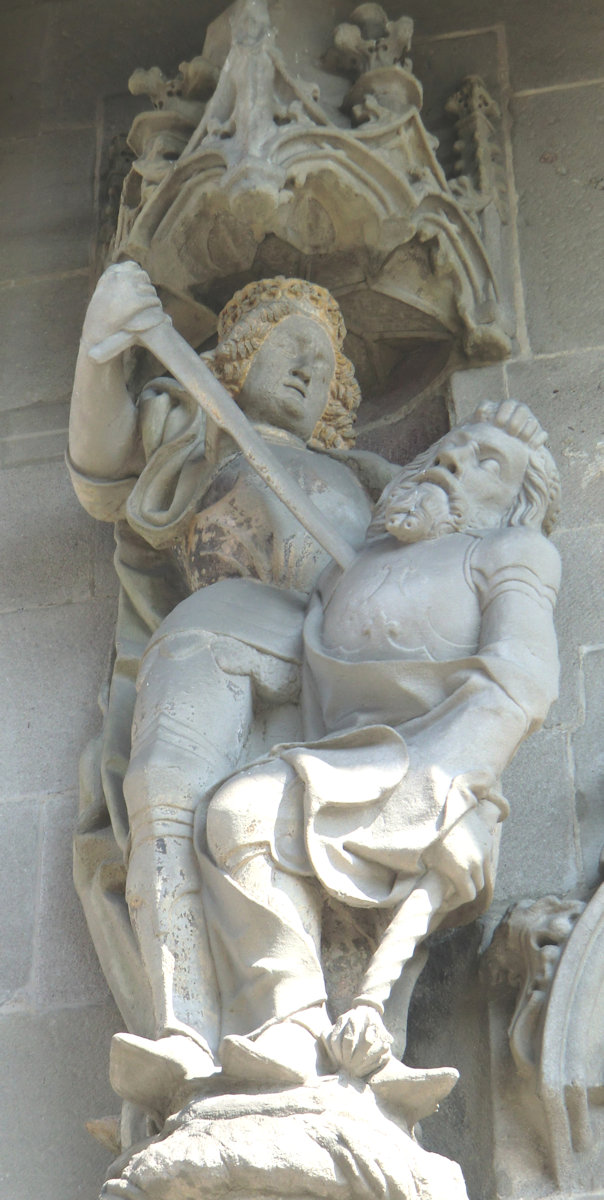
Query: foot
x=150, y=1073
x=284, y=1053
x=417, y=1093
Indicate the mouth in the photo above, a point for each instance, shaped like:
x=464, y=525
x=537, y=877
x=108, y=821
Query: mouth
x=294, y=386
x=441, y=478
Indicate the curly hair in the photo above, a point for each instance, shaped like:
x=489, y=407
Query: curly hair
x=248, y=319
x=538, y=502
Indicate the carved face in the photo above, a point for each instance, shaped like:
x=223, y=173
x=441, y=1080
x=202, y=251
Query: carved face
x=484, y=466
x=288, y=382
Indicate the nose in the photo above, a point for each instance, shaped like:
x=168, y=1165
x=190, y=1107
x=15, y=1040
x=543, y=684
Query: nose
x=452, y=458
x=302, y=373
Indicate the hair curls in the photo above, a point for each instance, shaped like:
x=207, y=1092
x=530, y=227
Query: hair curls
x=248, y=319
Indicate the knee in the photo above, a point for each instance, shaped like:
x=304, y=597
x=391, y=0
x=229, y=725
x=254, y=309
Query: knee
x=227, y=828
x=243, y=813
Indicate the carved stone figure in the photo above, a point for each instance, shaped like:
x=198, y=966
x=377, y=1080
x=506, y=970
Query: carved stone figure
x=552, y=952
x=302, y=728
x=426, y=664
x=187, y=491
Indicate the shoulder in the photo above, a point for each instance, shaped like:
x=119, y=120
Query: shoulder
x=516, y=546
x=372, y=471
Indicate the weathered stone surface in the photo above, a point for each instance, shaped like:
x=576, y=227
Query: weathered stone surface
x=305, y=1141
x=40, y=323
x=91, y=51
x=230, y=1008
x=65, y=967
x=441, y=66
x=470, y=388
x=447, y=1022
x=553, y=951
x=539, y=839
x=33, y=433
x=566, y=392
x=45, y=728
x=54, y=1079
x=105, y=581
x=588, y=750
x=563, y=48
x=19, y=872
x=22, y=42
x=579, y=618
x=46, y=540
x=561, y=204
x=46, y=220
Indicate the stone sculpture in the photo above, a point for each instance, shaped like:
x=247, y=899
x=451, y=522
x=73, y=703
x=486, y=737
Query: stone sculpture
x=551, y=952
x=244, y=167
x=301, y=730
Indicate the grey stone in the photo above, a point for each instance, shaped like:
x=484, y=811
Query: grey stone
x=559, y=45
x=470, y=388
x=92, y=49
x=588, y=748
x=35, y=433
x=46, y=725
x=22, y=41
x=46, y=220
x=442, y=65
x=538, y=847
x=18, y=883
x=561, y=205
x=47, y=539
x=41, y=324
x=65, y=966
x=579, y=616
x=399, y=441
x=566, y=393
x=105, y=580
x=54, y=1079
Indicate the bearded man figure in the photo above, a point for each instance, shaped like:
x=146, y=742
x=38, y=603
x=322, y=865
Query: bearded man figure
x=426, y=664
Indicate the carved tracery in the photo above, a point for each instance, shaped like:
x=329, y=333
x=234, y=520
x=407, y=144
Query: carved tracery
x=241, y=171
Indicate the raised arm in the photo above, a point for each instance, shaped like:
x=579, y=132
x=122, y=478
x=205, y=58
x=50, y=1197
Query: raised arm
x=103, y=428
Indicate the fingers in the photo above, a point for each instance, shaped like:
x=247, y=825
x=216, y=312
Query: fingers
x=146, y=318
x=359, y=1043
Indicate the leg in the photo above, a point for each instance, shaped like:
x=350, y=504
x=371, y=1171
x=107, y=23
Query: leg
x=191, y=720
x=265, y=926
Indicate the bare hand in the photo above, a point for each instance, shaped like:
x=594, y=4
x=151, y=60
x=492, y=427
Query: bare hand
x=464, y=851
x=124, y=305
x=359, y=1042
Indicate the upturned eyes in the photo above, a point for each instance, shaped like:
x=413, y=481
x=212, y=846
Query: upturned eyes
x=491, y=464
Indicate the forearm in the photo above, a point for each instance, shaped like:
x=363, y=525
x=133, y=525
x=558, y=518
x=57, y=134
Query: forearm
x=478, y=729
x=103, y=425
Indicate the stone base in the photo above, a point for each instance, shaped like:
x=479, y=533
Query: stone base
x=333, y=1140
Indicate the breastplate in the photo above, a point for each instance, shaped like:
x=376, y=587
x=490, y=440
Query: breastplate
x=398, y=601
x=243, y=528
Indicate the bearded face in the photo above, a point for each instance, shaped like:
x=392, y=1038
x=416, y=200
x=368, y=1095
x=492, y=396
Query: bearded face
x=418, y=509
x=470, y=479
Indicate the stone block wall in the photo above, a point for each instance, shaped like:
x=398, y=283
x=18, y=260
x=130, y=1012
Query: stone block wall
x=62, y=61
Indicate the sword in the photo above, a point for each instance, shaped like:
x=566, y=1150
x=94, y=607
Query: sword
x=185, y=365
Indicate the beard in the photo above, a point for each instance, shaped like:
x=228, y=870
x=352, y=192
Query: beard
x=419, y=509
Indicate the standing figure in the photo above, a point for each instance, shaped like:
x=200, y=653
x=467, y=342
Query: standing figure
x=219, y=681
